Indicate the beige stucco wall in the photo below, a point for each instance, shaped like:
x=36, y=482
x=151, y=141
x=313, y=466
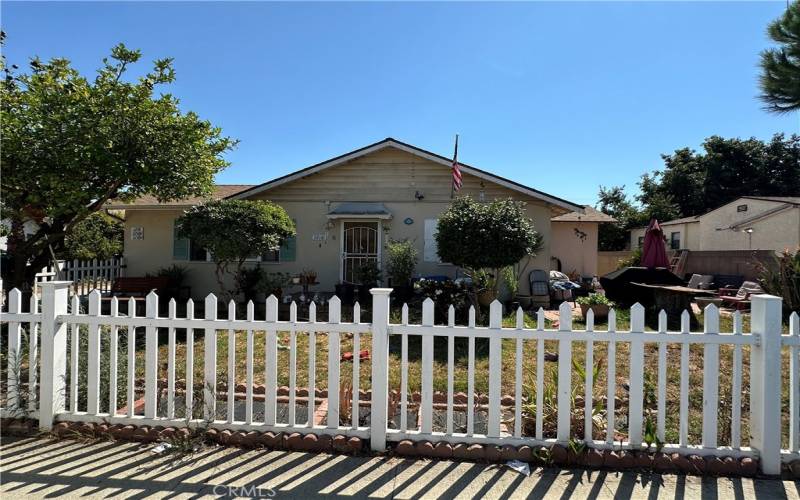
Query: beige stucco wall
x=774, y=232
x=389, y=176
x=711, y=231
x=636, y=233
x=574, y=254
x=689, y=234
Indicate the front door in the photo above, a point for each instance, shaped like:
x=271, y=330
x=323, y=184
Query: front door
x=360, y=245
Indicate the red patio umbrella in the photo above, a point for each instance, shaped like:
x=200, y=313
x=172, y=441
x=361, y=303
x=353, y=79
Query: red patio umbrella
x=654, y=252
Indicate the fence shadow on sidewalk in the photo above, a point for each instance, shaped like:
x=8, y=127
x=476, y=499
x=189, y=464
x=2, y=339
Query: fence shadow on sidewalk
x=42, y=468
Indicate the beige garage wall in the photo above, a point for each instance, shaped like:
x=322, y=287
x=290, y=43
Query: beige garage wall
x=574, y=254
x=776, y=232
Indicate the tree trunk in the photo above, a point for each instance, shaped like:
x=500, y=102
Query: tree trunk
x=26, y=261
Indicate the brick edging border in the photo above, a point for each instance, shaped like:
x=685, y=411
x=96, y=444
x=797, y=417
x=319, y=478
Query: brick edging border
x=539, y=456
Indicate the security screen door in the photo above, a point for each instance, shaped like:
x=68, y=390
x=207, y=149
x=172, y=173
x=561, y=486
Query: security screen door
x=360, y=245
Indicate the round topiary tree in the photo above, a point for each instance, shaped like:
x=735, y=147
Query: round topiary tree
x=233, y=230
x=484, y=238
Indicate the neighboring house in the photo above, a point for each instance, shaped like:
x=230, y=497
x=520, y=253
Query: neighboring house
x=345, y=209
x=574, y=241
x=747, y=223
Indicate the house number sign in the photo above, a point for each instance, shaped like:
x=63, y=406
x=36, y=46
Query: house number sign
x=319, y=236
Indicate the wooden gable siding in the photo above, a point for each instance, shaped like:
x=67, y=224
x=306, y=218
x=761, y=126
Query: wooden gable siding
x=387, y=175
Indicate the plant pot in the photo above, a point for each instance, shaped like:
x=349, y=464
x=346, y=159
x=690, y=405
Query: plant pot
x=525, y=301
x=486, y=297
x=600, y=310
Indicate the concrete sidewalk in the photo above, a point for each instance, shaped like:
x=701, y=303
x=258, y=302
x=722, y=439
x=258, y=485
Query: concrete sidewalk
x=36, y=468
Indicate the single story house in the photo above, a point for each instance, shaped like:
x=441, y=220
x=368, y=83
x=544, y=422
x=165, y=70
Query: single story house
x=346, y=208
x=746, y=223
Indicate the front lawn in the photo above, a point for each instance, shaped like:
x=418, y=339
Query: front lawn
x=482, y=372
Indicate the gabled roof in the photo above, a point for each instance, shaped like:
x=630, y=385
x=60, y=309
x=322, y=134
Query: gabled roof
x=220, y=191
x=794, y=200
x=394, y=143
x=784, y=201
x=589, y=215
x=762, y=215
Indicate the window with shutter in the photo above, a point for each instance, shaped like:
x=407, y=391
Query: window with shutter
x=288, y=250
x=430, y=252
x=180, y=246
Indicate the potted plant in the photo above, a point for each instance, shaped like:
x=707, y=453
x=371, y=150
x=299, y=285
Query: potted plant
x=597, y=302
x=486, y=287
x=308, y=277
x=402, y=260
x=175, y=275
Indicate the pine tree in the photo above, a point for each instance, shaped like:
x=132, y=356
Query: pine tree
x=780, y=78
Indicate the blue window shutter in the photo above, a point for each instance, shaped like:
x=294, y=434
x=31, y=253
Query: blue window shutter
x=288, y=252
x=180, y=246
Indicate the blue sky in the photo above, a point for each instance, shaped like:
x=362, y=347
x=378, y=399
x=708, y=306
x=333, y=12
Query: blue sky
x=562, y=97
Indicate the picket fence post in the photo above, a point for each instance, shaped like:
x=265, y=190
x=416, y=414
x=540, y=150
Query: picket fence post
x=53, y=386
x=765, y=382
x=380, y=367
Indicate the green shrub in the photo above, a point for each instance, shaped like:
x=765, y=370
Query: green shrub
x=176, y=276
x=783, y=279
x=444, y=294
x=402, y=260
x=634, y=260
x=594, y=299
x=492, y=235
x=234, y=230
x=368, y=273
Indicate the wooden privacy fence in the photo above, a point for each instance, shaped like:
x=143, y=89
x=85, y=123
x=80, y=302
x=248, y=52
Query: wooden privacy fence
x=57, y=389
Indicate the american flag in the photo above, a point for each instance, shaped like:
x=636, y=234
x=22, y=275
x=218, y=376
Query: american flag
x=456, y=170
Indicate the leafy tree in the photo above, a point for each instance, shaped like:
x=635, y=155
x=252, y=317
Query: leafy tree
x=725, y=170
x=71, y=144
x=780, y=67
x=233, y=230
x=98, y=236
x=693, y=183
x=613, y=201
x=486, y=236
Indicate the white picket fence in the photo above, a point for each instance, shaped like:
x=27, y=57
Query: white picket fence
x=59, y=393
x=86, y=275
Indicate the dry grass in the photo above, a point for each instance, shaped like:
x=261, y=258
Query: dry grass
x=460, y=373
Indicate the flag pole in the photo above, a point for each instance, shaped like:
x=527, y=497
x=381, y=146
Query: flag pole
x=455, y=159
